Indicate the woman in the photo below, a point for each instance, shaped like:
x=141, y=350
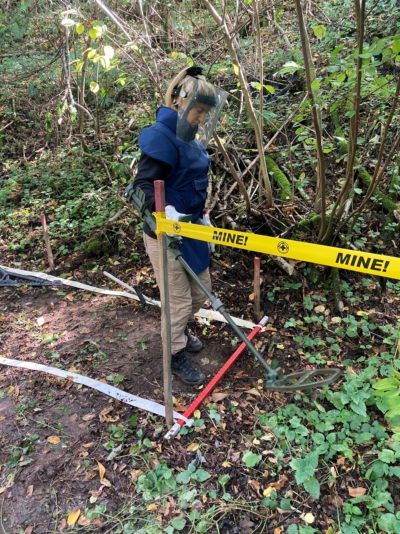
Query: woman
x=172, y=151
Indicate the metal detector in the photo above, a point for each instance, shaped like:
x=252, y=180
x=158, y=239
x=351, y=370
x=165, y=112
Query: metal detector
x=275, y=380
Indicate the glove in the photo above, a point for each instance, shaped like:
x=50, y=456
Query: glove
x=206, y=221
x=173, y=215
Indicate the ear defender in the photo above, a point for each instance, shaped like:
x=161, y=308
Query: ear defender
x=174, y=88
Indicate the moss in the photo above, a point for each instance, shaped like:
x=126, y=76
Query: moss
x=96, y=247
x=280, y=179
x=387, y=203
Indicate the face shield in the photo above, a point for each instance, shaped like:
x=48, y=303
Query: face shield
x=199, y=113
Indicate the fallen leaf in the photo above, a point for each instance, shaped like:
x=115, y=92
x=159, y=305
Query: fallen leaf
x=54, y=440
x=192, y=447
x=29, y=491
x=218, y=396
x=280, y=483
x=308, y=518
x=73, y=517
x=357, y=492
x=88, y=417
x=28, y=530
x=106, y=483
x=267, y=492
x=62, y=525
x=104, y=417
x=253, y=391
x=102, y=470
x=83, y=521
x=240, y=374
x=255, y=485
x=135, y=474
x=89, y=475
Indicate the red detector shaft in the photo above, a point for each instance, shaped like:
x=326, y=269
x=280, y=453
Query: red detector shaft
x=174, y=430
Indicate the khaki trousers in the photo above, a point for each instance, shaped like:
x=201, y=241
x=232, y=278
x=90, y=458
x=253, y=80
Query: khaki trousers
x=185, y=297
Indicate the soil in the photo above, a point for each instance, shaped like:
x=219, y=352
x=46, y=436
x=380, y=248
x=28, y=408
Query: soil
x=101, y=337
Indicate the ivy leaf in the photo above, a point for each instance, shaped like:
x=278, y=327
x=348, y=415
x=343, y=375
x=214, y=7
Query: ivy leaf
x=312, y=486
x=319, y=31
x=387, y=456
x=251, y=459
x=184, y=477
x=109, y=52
x=396, y=46
x=96, y=31
x=270, y=89
x=256, y=85
x=94, y=87
x=304, y=467
x=201, y=475
x=389, y=523
x=315, y=84
x=290, y=67
x=386, y=384
x=178, y=523
x=79, y=28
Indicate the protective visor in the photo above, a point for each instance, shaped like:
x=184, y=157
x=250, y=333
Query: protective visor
x=199, y=114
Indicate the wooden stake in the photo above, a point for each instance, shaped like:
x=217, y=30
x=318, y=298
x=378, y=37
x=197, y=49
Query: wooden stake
x=256, y=287
x=47, y=241
x=165, y=308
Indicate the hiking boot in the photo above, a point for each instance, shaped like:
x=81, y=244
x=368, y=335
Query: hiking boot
x=193, y=343
x=182, y=367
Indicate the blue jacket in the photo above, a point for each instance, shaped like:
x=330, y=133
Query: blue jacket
x=186, y=183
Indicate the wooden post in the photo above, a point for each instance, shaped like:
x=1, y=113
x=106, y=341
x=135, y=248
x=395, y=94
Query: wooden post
x=47, y=241
x=165, y=309
x=256, y=287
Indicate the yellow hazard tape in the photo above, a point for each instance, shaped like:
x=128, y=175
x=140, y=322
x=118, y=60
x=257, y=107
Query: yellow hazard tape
x=363, y=262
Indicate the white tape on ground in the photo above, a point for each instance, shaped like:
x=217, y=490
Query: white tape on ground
x=210, y=315
x=111, y=391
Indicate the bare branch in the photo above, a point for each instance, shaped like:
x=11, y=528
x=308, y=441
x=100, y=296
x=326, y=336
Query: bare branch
x=222, y=22
x=310, y=77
